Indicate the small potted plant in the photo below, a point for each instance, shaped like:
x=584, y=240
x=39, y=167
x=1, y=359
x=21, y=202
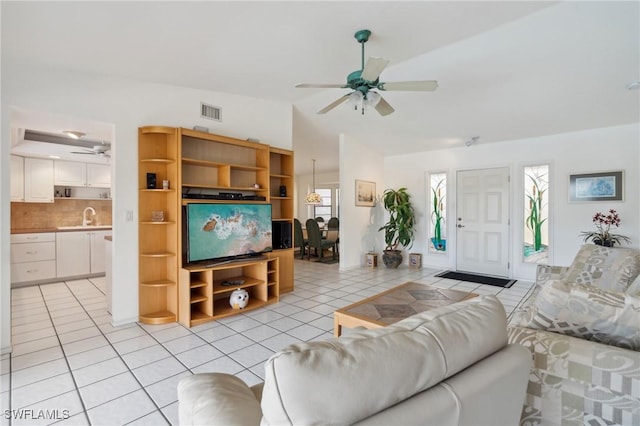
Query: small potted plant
x=601, y=236
x=399, y=229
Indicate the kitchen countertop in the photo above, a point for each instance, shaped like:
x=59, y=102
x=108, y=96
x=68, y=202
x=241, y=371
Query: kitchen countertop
x=54, y=229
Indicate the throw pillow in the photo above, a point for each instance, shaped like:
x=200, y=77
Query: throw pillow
x=608, y=268
x=586, y=312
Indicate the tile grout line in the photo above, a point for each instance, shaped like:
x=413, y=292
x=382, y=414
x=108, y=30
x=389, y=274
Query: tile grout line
x=121, y=359
x=77, y=390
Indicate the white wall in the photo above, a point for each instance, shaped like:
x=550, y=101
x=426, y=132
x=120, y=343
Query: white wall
x=606, y=149
x=359, y=225
x=127, y=105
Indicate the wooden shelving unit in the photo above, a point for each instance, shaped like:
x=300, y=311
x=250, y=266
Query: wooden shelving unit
x=281, y=174
x=158, y=241
x=205, y=163
x=203, y=297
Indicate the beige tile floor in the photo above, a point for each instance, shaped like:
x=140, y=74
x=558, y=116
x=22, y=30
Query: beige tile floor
x=70, y=366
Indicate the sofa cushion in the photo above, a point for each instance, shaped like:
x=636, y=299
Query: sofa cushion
x=609, y=268
x=342, y=381
x=213, y=398
x=586, y=312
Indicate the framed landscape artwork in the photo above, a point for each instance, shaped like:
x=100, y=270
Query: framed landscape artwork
x=365, y=193
x=604, y=186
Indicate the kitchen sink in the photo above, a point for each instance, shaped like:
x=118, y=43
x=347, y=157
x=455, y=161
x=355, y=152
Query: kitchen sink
x=81, y=227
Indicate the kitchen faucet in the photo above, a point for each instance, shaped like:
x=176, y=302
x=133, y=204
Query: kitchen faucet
x=85, y=221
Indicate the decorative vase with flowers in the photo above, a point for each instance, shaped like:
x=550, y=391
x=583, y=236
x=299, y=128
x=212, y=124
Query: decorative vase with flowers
x=601, y=236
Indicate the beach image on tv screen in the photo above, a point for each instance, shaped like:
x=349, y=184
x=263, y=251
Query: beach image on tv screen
x=223, y=230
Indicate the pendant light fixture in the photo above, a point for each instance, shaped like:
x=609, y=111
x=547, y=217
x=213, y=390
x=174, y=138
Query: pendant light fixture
x=313, y=198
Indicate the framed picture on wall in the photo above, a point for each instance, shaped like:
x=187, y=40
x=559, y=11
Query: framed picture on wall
x=604, y=186
x=365, y=193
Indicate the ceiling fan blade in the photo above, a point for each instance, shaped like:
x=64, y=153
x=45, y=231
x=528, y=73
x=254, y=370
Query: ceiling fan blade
x=320, y=86
x=373, y=68
x=83, y=152
x=334, y=104
x=383, y=107
x=426, y=86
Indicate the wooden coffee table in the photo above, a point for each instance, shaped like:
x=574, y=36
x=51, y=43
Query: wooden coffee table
x=394, y=305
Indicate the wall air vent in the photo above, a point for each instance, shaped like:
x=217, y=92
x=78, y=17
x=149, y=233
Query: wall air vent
x=211, y=112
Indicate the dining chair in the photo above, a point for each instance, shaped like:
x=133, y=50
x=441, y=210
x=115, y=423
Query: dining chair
x=316, y=242
x=333, y=235
x=298, y=237
x=334, y=225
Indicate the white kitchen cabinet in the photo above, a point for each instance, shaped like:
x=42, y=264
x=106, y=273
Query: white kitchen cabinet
x=73, y=254
x=99, y=175
x=70, y=173
x=17, y=178
x=98, y=251
x=38, y=180
x=33, y=257
x=80, y=253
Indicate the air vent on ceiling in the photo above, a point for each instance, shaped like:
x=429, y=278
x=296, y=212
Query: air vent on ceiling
x=211, y=112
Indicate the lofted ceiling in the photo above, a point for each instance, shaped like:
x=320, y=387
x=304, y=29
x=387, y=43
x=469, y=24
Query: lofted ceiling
x=506, y=70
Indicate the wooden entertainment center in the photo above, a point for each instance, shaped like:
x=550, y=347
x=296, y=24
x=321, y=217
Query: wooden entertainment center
x=200, y=162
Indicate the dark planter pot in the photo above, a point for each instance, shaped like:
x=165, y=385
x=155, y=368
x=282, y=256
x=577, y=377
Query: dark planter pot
x=391, y=258
x=605, y=243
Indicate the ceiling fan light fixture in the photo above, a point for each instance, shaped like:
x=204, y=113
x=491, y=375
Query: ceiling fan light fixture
x=74, y=134
x=372, y=99
x=356, y=98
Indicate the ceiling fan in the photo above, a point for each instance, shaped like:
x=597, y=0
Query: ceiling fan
x=99, y=150
x=363, y=81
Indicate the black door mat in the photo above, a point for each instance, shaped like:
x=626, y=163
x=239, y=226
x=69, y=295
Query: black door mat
x=480, y=279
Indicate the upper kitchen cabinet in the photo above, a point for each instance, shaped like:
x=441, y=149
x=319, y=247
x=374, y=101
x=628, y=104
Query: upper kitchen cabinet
x=72, y=173
x=17, y=178
x=38, y=180
x=99, y=175
x=69, y=173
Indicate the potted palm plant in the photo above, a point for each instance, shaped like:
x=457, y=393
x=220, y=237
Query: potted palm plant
x=399, y=229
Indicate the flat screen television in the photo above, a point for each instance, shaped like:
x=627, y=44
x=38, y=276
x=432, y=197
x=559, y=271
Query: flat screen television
x=215, y=232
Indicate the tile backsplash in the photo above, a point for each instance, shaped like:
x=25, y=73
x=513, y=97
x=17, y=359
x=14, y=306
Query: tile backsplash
x=62, y=212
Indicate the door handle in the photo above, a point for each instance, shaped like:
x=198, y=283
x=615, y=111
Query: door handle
x=460, y=226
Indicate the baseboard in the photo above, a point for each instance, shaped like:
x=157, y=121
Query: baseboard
x=124, y=321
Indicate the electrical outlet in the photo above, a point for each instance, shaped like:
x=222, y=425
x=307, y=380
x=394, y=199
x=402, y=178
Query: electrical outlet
x=129, y=216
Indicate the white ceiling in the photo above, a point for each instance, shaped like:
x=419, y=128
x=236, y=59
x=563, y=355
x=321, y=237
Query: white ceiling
x=506, y=70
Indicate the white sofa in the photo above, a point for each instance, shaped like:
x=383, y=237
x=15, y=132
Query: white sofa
x=448, y=366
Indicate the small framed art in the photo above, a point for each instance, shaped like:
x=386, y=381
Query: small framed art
x=365, y=193
x=603, y=186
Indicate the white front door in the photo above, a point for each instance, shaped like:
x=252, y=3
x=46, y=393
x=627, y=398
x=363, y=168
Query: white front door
x=482, y=221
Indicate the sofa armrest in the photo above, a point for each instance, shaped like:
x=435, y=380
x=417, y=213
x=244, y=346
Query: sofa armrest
x=574, y=380
x=545, y=273
x=217, y=399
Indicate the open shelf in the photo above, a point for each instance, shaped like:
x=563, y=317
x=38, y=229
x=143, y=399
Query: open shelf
x=204, y=298
x=160, y=317
x=158, y=283
x=157, y=241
